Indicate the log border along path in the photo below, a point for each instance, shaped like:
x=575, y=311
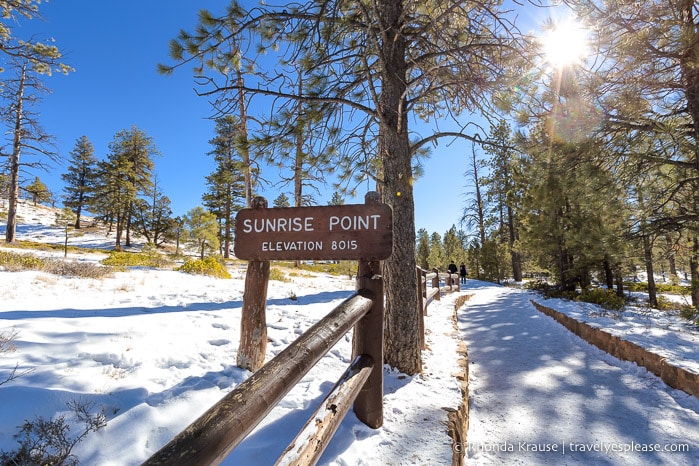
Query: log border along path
x=540, y=395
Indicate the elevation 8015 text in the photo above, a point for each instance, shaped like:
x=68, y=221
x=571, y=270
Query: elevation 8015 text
x=346, y=232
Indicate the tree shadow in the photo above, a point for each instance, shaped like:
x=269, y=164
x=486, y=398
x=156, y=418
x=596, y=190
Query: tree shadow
x=546, y=386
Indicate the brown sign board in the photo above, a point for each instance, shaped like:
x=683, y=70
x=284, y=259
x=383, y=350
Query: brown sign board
x=345, y=232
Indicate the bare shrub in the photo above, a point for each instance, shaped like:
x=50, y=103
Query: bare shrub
x=7, y=345
x=44, y=442
x=13, y=262
x=76, y=269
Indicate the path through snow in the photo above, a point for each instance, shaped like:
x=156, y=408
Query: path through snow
x=536, y=386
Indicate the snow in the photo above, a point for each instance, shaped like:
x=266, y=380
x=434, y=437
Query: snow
x=157, y=348
x=536, y=386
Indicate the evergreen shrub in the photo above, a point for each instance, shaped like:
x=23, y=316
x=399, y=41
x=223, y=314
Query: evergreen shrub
x=278, y=275
x=599, y=296
x=135, y=259
x=209, y=266
x=13, y=262
x=603, y=297
x=642, y=287
x=690, y=313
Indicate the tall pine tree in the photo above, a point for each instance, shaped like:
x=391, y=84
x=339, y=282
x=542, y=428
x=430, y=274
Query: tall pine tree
x=125, y=174
x=225, y=194
x=80, y=178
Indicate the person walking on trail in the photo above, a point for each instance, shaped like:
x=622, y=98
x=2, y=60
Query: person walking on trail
x=452, y=267
x=462, y=273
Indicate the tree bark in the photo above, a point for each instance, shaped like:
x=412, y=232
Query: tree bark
x=619, y=284
x=11, y=229
x=608, y=274
x=648, y=259
x=694, y=269
x=671, y=255
x=244, y=146
x=402, y=342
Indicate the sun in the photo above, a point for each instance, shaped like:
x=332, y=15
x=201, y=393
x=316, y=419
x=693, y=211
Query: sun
x=565, y=44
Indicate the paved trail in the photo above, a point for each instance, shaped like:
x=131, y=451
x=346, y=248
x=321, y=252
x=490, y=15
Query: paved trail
x=541, y=395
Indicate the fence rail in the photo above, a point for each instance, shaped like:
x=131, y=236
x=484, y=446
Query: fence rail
x=210, y=438
x=427, y=295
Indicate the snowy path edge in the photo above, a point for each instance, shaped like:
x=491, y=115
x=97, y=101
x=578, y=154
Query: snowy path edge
x=674, y=376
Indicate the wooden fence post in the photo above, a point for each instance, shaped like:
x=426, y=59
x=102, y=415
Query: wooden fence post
x=253, y=321
x=435, y=283
x=368, y=339
x=421, y=298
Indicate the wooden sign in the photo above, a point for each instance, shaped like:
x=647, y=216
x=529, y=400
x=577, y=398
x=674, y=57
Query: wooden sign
x=345, y=232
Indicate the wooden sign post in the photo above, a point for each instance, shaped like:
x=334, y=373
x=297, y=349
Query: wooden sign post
x=362, y=232
x=346, y=232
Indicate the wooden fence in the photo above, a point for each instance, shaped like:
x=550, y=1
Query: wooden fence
x=210, y=438
x=427, y=295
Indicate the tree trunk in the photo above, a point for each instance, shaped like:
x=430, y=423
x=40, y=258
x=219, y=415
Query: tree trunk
x=78, y=213
x=585, y=278
x=11, y=229
x=619, y=284
x=648, y=259
x=515, y=256
x=244, y=147
x=694, y=269
x=299, y=156
x=228, y=226
x=479, y=201
x=671, y=256
x=402, y=343
x=128, y=224
x=608, y=274
x=119, y=232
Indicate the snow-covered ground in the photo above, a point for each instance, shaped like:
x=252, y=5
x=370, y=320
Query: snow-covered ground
x=157, y=347
x=541, y=395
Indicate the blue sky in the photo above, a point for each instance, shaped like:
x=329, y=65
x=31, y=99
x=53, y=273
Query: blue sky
x=115, y=47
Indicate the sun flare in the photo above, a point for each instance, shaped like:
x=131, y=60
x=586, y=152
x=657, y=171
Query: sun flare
x=565, y=44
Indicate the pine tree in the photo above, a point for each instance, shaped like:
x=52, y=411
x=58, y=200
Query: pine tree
x=437, y=258
x=202, y=230
x=80, y=178
x=575, y=215
x=281, y=201
x=38, y=191
x=44, y=56
x=226, y=185
x=422, y=253
x=151, y=215
x=22, y=91
x=474, y=214
x=65, y=219
x=299, y=139
x=453, y=247
x=379, y=64
x=503, y=192
x=125, y=174
x=647, y=86
x=336, y=199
